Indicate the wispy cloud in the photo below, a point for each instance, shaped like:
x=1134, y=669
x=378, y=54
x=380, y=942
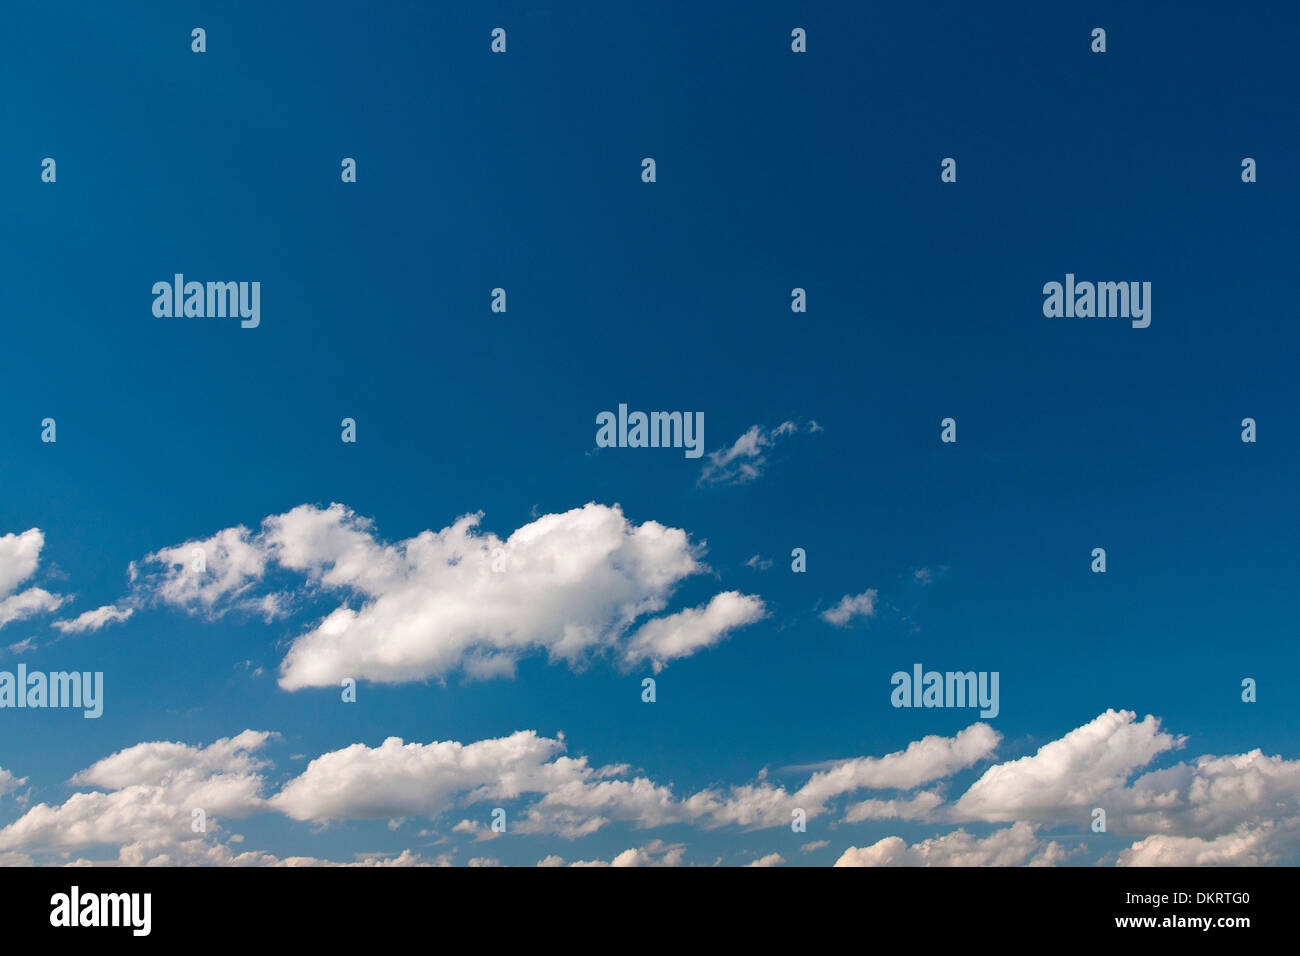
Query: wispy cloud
x=746, y=458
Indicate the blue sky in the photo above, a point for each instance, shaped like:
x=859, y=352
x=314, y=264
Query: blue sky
x=775, y=170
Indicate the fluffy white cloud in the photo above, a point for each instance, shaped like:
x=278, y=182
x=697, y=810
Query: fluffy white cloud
x=772, y=859
x=1213, y=810
x=27, y=604
x=1243, y=847
x=203, y=575
x=1012, y=846
x=931, y=758
x=146, y=804
x=152, y=790
x=851, y=606
x=656, y=853
x=571, y=584
x=923, y=761
x=1070, y=774
x=397, y=779
x=202, y=853
x=575, y=799
x=682, y=634
x=582, y=806
x=20, y=554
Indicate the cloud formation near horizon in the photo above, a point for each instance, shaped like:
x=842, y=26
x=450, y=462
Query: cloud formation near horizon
x=1238, y=809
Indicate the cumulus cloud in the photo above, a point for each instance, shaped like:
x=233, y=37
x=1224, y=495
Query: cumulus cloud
x=398, y=779
x=145, y=804
x=572, y=585
x=20, y=554
x=682, y=634
x=1213, y=810
x=1012, y=846
x=656, y=853
x=148, y=795
x=851, y=606
x=573, y=798
x=1066, y=775
x=1213, y=796
x=923, y=761
x=203, y=575
x=1244, y=847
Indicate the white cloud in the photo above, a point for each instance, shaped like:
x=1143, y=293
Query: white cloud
x=94, y=620
x=27, y=604
x=397, y=779
x=582, y=806
x=923, y=761
x=1243, y=847
x=1012, y=846
x=744, y=460
x=204, y=575
x=571, y=584
x=656, y=853
x=20, y=554
x=772, y=859
x=1212, y=796
x=682, y=634
x=1238, y=809
x=9, y=782
x=851, y=606
x=152, y=790
x=918, y=807
x=146, y=804
x=1067, y=776
x=575, y=799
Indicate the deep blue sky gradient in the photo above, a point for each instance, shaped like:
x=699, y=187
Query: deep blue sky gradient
x=774, y=171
